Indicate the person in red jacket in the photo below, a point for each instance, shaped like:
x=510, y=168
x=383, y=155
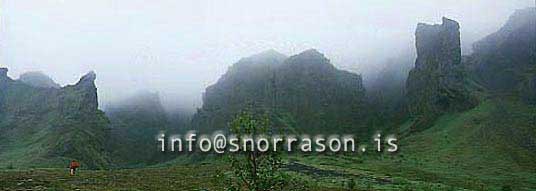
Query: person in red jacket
x=73, y=166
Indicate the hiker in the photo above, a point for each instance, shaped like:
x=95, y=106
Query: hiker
x=73, y=166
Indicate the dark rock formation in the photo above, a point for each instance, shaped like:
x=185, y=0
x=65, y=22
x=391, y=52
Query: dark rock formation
x=245, y=82
x=3, y=73
x=505, y=61
x=319, y=96
x=52, y=126
x=436, y=84
x=303, y=91
x=82, y=96
x=438, y=46
x=38, y=79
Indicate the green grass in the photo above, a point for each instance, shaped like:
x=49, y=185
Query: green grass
x=172, y=178
x=486, y=148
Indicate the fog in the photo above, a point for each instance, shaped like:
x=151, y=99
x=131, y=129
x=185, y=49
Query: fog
x=177, y=48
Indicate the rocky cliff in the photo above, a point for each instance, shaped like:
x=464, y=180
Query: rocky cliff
x=304, y=92
x=49, y=127
x=436, y=83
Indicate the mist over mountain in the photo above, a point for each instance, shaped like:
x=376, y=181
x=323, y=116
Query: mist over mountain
x=178, y=48
x=38, y=79
x=505, y=61
x=135, y=122
x=304, y=92
x=462, y=119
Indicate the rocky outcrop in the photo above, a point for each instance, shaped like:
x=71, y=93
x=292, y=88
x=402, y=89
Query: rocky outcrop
x=52, y=126
x=438, y=46
x=3, y=73
x=80, y=97
x=436, y=84
x=304, y=91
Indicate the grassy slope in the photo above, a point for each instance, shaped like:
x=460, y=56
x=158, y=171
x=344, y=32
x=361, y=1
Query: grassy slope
x=35, y=133
x=485, y=148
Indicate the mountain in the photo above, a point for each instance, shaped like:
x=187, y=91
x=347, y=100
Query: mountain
x=135, y=123
x=303, y=92
x=38, y=79
x=437, y=83
x=492, y=141
x=319, y=96
x=247, y=81
x=49, y=127
x=505, y=61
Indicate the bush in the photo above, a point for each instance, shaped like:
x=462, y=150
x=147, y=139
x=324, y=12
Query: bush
x=254, y=170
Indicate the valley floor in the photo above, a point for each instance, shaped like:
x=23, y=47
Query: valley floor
x=315, y=173
x=473, y=150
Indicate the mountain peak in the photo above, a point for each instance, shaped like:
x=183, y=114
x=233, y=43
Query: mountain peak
x=312, y=53
x=269, y=56
x=446, y=25
x=449, y=23
x=38, y=79
x=523, y=15
x=88, y=78
x=271, y=53
x=438, y=42
x=520, y=25
x=310, y=57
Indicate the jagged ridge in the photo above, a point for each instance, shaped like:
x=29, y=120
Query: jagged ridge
x=48, y=127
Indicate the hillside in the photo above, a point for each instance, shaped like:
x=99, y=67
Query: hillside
x=492, y=145
x=49, y=127
x=505, y=61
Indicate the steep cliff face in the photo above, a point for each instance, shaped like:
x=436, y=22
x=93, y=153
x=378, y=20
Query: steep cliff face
x=303, y=91
x=248, y=81
x=49, y=127
x=436, y=84
x=505, y=61
x=319, y=96
x=3, y=73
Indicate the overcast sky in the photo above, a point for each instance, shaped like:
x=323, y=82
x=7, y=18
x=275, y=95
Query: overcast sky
x=179, y=47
